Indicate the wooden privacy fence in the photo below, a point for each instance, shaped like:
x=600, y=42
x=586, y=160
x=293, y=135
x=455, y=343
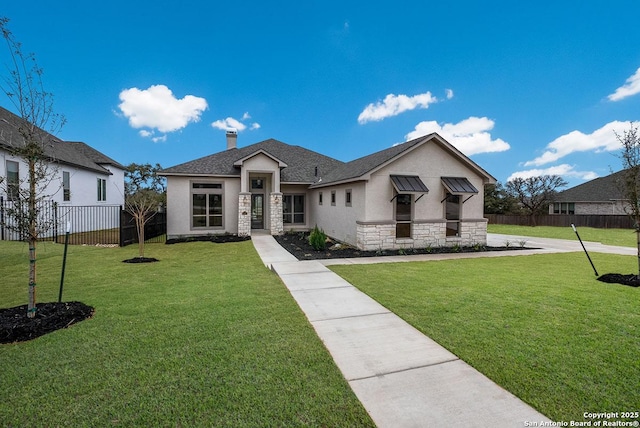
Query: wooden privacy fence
x=90, y=224
x=564, y=220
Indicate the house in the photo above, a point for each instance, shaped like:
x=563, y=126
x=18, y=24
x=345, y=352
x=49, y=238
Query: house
x=77, y=174
x=416, y=194
x=601, y=196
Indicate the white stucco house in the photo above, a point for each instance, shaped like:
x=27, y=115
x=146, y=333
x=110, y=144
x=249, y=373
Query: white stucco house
x=77, y=176
x=420, y=193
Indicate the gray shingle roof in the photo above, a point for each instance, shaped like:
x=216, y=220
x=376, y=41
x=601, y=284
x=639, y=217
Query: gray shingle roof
x=598, y=190
x=71, y=153
x=301, y=162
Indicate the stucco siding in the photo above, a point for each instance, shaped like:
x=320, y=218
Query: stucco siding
x=339, y=220
x=179, y=206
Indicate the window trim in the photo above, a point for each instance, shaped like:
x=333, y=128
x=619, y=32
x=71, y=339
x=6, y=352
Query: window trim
x=348, y=195
x=13, y=186
x=451, y=221
x=319, y=198
x=293, y=212
x=333, y=198
x=211, y=188
x=66, y=186
x=102, y=189
x=400, y=224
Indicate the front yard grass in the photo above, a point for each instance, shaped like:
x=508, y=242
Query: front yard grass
x=206, y=337
x=620, y=237
x=541, y=326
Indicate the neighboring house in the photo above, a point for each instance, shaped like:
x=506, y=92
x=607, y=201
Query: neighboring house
x=78, y=174
x=601, y=196
x=416, y=194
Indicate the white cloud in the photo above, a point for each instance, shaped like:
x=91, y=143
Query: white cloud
x=229, y=124
x=144, y=133
x=600, y=140
x=159, y=139
x=630, y=87
x=563, y=170
x=232, y=124
x=393, y=105
x=449, y=93
x=470, y=136
x=157, y=108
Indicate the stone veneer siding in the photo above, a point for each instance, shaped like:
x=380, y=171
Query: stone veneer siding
x=275, y=212
x=244, y=214
x=382, y=235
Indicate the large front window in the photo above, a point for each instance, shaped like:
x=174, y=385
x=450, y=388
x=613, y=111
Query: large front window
x=403, y=215
x=452, y=213
x=293, y=209
x=206, y=205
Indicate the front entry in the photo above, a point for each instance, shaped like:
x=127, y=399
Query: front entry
x=257, y=211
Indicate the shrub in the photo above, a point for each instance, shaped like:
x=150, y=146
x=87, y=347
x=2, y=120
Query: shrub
x=318, y=239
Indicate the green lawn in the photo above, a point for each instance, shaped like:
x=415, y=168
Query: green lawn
x=541, y=326
x=621, y=237
x=206, y=337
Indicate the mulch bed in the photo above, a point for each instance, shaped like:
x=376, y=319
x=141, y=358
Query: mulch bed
x=298, y=245
x=16, y=327
x=141, y=260
x=617, y=278
x=216, y=239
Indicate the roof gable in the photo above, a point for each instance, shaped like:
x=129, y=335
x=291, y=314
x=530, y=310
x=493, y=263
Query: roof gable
x=75, y=154
x=298, y=164
x=361, y=168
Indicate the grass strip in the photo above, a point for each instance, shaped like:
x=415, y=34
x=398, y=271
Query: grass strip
x=206, y=337
x=540, y=326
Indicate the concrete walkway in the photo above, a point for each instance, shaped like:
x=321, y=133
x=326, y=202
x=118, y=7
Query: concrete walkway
x=402, y=377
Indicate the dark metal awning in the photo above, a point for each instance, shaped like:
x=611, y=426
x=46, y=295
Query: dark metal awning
x=458, y=185
x=408, y=184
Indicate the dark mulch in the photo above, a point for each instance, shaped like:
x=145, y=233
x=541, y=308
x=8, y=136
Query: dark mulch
x=141, y=260
x=216, y=239
x=298, y=245
x=617, y=278
x=16, y=327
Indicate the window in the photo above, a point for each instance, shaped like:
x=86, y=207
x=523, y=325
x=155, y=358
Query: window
x=293, y=209
x=347, y=197
x=564, y=208
x=13, y=180
x=207, y=207
x=452, y=214
x=66, y=186
x=403, y=215
x=320, y=198
x=102, y=189
x=333, y=197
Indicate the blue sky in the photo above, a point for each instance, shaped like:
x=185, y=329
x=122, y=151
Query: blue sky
x=523, y=88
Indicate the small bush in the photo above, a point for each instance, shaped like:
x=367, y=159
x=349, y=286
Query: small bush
x=318, y=239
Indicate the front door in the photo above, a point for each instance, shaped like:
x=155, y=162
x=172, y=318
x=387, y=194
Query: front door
x=257, y=211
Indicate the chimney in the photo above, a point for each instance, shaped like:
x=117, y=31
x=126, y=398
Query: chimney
x=232, y=138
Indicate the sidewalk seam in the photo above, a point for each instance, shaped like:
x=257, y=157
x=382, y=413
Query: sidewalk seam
x=405, y=370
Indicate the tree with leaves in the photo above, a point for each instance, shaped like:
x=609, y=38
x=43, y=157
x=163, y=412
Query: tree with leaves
x=629, y=181
x=498, y=201
x=534, y=194
x=145, y=193
x=23, y=86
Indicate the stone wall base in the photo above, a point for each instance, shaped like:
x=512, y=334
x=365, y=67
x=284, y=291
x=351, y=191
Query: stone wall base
x=382, y=236
x=275, y=212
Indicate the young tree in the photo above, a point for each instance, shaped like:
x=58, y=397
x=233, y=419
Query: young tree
x=30, y=144
x=629, y=182
x=535, y=194
x=145, y=192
